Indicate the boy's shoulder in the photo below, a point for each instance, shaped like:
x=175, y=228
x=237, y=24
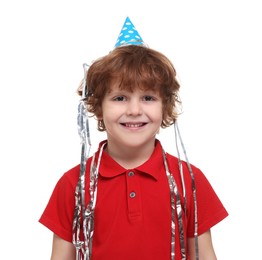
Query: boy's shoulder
x=173, y=162
x=71, y=175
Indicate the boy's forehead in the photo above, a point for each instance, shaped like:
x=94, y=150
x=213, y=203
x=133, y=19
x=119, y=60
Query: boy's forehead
x=131, y=88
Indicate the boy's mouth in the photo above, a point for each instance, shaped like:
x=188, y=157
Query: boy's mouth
x=133, y=125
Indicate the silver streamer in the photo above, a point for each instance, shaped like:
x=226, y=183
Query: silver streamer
x=82, y=214
x=175, y=207
x=90, y=209
x=178, y=136
x=83, y=131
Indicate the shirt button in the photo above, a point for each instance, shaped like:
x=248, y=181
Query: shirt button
x=130, y=174
x=132, y=194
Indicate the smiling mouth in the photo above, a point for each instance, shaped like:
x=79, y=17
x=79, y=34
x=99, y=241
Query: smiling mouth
x=133, y=125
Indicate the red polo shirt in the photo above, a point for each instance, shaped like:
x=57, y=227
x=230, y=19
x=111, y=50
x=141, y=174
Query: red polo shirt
x=133, y=211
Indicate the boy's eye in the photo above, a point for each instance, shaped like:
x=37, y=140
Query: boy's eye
x=119, y=98
x=148, y=98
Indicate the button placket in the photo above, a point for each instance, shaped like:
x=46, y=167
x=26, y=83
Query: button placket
x=133, y=195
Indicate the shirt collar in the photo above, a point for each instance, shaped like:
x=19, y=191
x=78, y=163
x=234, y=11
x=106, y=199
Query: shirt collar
x=109, y=168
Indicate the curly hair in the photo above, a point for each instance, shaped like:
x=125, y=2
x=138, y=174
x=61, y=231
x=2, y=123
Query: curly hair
x=132, y=66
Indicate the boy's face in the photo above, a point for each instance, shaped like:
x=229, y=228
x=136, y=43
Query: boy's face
x=132, y=118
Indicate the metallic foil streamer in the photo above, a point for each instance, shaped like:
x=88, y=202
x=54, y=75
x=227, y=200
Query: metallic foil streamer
x=84, y=248
x=84, y=215
x=83, y=131
x=178, y=136
x=90, y=209
x=176, y=210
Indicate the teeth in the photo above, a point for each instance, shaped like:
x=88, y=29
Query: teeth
x=134, y=125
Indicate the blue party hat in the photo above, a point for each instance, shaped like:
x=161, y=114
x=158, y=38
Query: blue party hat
x=129, y=35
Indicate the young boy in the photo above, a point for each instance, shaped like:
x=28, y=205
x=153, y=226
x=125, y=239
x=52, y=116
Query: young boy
x=145, y=208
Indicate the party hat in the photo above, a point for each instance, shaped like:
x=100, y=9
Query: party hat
x=129, y=35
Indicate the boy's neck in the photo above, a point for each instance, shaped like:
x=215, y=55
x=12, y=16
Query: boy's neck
x=130, y=157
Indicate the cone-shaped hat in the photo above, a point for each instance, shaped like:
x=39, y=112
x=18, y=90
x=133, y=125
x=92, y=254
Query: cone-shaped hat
x=129, y=35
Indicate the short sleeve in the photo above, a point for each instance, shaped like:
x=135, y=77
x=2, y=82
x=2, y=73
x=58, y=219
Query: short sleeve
x=59, y=212
x=210, y=209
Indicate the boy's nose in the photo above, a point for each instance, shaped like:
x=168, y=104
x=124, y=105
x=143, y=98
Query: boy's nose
x=134, y=108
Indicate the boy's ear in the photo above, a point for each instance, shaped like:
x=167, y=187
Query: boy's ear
x=99, y=113
x=99, y=116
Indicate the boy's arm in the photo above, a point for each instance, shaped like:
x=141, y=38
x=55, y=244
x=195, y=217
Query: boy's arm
x=205, y=246
x=62, y=249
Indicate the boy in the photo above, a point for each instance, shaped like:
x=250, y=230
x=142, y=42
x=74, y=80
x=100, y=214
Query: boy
x=140, y=207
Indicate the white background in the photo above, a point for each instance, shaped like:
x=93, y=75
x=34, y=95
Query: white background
x=216, y=49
